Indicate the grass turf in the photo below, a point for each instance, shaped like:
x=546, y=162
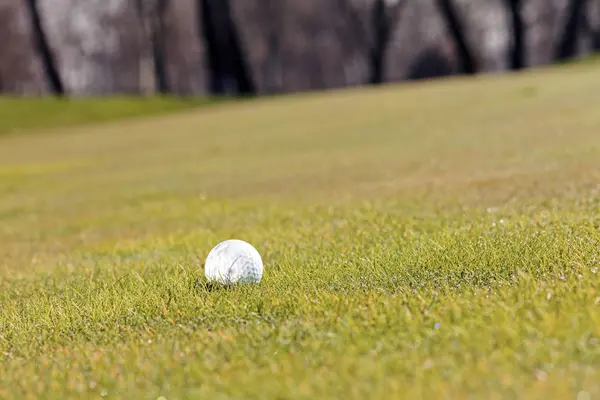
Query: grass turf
x=26, y=115
x=427, y=240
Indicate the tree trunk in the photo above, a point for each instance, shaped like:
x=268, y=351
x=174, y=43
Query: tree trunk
x=228, y=68
x=567, y=46
x=152, y=19
x=382, y=37
x=467, y=59
x=517, y=52
x=45, y=52
x=158, y=48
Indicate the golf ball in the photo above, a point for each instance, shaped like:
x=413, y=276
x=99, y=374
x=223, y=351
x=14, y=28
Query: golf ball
x=233, y=261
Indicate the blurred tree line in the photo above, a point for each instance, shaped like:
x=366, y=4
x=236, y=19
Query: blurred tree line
x=254, y=47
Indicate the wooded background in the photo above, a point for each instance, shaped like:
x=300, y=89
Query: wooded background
x=198, y=47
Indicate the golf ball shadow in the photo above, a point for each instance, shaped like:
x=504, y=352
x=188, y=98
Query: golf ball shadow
x=210, y=286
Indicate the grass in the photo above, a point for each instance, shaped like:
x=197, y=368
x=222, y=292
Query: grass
x=436, y=240
x=19, y=115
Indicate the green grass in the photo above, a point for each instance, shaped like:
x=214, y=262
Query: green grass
x=18, y=115
x=435, y=240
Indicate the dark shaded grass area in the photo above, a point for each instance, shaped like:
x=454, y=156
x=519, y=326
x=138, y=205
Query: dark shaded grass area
x=18, y=115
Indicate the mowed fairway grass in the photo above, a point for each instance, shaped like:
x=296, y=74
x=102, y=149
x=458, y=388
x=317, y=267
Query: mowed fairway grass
x=437, y=240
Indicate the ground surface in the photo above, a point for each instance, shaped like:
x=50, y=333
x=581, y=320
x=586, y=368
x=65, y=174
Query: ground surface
x=435, y=240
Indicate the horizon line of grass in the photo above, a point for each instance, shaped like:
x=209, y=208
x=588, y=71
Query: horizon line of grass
x=63, y=112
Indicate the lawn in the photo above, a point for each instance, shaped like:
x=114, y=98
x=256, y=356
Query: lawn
x=430, y=240
x=26, y=115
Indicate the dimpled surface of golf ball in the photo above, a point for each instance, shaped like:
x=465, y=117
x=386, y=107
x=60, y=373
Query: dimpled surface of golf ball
x=233, y=261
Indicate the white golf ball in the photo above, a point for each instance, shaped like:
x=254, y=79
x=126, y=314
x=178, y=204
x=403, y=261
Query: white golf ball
x=233, y=261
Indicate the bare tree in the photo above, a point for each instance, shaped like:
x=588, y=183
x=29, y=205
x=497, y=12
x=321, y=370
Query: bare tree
x=384, y=19
x=589, y=28
x=5, y=51
x=567, y=45
x=152, y=14
x=45, y=51
x=595, y=31
x=184, y=53
x=517, y=52
x=228, y=68
x=384, y=16
x=455, y=26
x=272, y=70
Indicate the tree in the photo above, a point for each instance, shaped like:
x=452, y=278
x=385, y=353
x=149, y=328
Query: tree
x=591, y=30
x=45, y=52
x=455, y=26
x=567, y=45
x=384, y=17
x=229, y=72
x=152, y=14
x=517, y=52
x=271, y=16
